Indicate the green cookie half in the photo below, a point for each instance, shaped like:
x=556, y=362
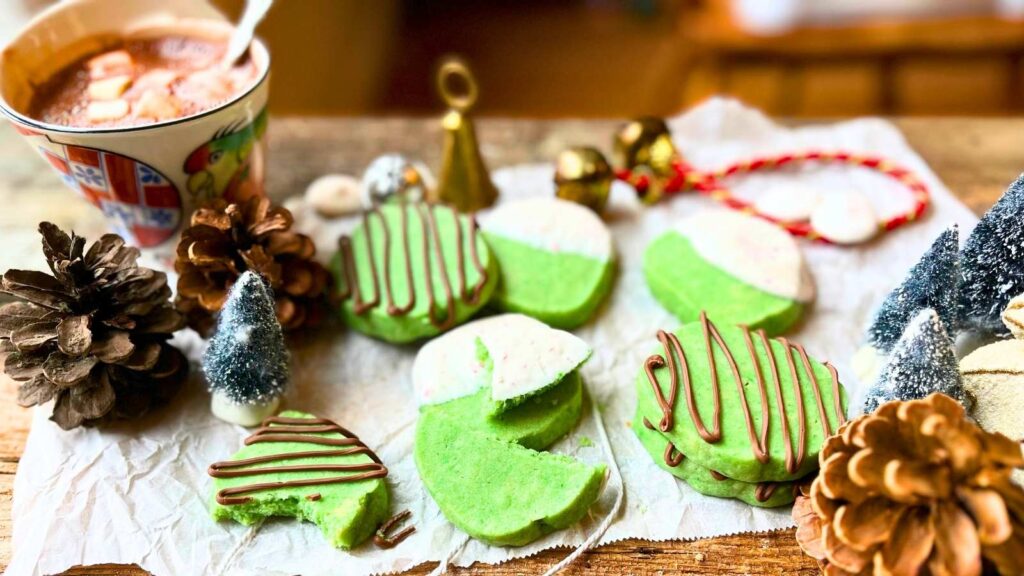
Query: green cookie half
x=733, y=452
x=394, y=298
x=702, y=480
x=347, y=512
x=560, y=289
x=487, y=474
x=686, y=284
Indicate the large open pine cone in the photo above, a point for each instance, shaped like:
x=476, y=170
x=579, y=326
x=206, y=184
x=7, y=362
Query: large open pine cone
x=225, y=240
x=917, y=489
x=93, y=336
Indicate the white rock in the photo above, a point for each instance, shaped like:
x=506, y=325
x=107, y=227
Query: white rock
x=845, y=218
x=791, y=202
x=242, y=414
x=334, y=195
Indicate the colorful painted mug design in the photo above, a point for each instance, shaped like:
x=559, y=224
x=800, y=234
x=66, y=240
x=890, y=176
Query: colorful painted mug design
x=229, y=165
x=139, y=202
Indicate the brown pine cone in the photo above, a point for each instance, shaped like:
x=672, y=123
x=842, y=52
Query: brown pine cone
x=93, y=336
x=915, y=488
x=225, y=240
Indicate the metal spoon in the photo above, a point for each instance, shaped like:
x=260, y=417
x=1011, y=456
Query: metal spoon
x=241, y=38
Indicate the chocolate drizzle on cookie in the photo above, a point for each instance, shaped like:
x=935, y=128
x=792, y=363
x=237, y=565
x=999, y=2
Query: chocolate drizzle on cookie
x=431, y=237
x=758, y=437
x=673, y=457
x=383, y=540
x=765, y=490
x=277, y=429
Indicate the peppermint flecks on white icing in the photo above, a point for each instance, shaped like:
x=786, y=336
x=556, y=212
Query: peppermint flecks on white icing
x=752, y=250
x=527, y=355
x=448, y=367
x=550, y=224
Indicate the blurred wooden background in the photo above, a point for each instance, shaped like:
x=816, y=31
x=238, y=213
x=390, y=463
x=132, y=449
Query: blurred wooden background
x=619, y=58
x=628, y=57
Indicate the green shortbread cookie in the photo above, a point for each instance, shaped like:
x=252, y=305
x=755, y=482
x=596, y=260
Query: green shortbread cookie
x=483, y=466
x=536, y=423
x=556, y=259
x=739, y=269
x=769, y=495
x=731, y=442
x=348, y=504
x=389, y=296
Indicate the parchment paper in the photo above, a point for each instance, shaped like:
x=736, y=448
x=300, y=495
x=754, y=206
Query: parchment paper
x=139, y=492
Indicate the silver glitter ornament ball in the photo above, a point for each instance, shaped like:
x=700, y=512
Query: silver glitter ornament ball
x=393, y=176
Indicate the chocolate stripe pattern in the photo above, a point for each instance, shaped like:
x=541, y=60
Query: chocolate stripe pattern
x=277, y=429
x=432, y=248
x=758, y=438
x=673, y=457
x=383, y=537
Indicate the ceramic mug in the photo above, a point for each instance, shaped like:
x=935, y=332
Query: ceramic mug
x=146, y=179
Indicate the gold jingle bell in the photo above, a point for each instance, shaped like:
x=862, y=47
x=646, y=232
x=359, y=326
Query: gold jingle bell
x=644, y=146
x=464, y=182
x=582, y=175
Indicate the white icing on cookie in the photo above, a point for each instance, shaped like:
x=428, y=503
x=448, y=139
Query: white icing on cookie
x=527, y=356
x=845, y=218
x=447, y=367
x=752, y=250
x=551, y=224
x=791, y=202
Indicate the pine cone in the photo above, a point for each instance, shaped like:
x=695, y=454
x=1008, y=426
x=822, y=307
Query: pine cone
x=93, y=336
x=915, y=488
x=225, y=240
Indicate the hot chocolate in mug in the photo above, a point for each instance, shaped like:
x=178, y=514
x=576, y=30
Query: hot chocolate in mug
x=146, y=178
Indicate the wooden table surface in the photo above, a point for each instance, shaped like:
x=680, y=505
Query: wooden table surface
x=976, y=158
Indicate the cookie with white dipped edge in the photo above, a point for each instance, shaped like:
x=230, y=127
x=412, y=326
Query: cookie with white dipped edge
x=493, y=395
x=556, y=259
x=739, y=269
x=512, y=355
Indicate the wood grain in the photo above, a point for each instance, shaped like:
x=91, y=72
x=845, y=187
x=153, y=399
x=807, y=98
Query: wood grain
x=975, y=158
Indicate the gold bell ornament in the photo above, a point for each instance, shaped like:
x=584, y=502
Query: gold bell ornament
x=464, y=182
x=644, y=147
x=582, y=175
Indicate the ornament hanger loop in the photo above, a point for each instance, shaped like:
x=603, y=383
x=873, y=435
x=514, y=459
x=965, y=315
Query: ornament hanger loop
x=456, y=85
